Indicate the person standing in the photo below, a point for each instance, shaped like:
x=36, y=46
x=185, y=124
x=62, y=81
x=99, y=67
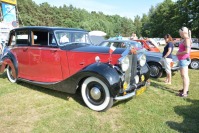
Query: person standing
x=167, y=57
x=183, y=55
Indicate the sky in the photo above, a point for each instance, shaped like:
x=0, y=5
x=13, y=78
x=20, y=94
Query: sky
x=124, y=8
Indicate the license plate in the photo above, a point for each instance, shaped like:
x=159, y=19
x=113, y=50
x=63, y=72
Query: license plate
x=141, y=90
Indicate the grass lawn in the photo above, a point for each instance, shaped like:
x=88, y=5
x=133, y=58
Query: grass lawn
x=27, y=108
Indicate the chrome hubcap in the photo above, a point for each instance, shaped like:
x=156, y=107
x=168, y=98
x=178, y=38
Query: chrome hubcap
x=154, y=71
x=95, y=93
x=194, y=64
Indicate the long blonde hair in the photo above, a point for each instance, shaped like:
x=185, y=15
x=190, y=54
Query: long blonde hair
x=186, y=30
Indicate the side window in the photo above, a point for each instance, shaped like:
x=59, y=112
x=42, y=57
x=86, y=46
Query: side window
x=22, y=38
x=39, y=38
x=52, y=41
x=141, y=43
x=12, y=38
x=122, y=45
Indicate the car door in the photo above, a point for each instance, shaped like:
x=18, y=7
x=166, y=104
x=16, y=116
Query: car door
x=44, y=60
x=19, y=41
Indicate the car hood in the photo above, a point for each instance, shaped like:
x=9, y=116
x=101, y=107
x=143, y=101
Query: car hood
x=91, y=48
x=158, y=55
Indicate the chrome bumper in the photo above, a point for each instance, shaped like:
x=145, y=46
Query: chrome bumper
x=129, y=95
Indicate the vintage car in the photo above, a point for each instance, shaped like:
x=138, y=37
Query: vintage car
x=194, y=55
x=63, y=59
x=147, y=44
x=153, y=58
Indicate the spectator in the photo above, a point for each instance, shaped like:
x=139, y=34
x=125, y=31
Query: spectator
x=133, y=37
x=167, y=57
x=64, y=39
x=183, y=55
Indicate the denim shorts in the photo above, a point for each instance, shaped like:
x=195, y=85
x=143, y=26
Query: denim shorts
x=184, y=63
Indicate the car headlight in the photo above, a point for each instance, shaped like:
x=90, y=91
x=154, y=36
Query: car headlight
x=142, y=59
x=124, y=63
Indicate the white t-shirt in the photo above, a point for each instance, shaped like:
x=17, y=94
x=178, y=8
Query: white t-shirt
x=64, y=39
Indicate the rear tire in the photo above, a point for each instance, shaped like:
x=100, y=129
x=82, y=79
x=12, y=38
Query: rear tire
x=10, y=75
x=96, y=95
x=194, y=64
x=156, y=70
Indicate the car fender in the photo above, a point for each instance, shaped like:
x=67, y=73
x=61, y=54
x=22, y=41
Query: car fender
x=9, y=59
x=104, y=72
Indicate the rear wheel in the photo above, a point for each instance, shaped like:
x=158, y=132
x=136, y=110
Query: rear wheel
x=155, y=70
x=10, y=76
x=194, y=64
x=96, y=95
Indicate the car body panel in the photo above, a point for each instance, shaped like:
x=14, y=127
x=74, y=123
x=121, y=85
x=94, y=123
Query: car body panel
x=148, y=45
x=194, y=54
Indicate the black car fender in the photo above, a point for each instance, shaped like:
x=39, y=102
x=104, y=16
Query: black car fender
x=104, y=72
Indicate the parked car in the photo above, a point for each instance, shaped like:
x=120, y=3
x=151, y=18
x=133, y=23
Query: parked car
x=63, y=59
x=194, y=55
x=153, y=58
x=160, y=41
x=147, y=44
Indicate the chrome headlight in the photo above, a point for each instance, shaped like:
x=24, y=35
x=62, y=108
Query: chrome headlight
x=124, y=61
x=142, y=59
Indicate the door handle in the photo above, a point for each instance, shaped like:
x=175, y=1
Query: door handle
x=53, y=51
x=82, y=63
x=25, y=49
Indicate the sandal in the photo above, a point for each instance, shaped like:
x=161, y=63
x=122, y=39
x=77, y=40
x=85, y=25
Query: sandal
x=182, y=95
x=182, y=91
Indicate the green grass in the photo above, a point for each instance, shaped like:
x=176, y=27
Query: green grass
x=27, y=108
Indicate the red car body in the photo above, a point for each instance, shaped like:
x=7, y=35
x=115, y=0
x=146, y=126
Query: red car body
x=148, y=45
x=63, y=59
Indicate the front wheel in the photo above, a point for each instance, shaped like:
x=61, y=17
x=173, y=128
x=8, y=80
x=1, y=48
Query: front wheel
x=194, y=64
x=155, y=70
x=96, y=95
x=10, y=76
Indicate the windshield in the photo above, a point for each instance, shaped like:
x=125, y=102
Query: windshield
x=69, y=37
x=151, y=45
x=136, y=45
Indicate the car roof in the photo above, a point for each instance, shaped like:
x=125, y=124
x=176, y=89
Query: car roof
x=119, y=41
x=48, y=28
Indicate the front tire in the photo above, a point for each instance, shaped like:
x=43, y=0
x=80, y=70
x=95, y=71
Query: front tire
x=96, y=95
x=156, y=70
x=194, y=64
x=10, y=75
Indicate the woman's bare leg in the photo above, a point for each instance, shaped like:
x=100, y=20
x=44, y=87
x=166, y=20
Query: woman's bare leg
x=185, y=79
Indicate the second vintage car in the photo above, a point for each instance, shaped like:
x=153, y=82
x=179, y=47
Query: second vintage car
x=63, y=59
x=153, y=59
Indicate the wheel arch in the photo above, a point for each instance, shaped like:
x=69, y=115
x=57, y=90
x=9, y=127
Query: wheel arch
x=104, y=72
x=9, y=59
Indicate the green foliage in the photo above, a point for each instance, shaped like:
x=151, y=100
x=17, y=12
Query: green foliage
x=169, y=17
x=69, y=16
x=166, y=17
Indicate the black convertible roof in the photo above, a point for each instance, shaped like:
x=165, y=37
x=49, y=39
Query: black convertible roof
x=48, y=28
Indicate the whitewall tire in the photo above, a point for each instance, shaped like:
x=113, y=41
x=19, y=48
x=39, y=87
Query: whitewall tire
x=10, y=75
x=96, y=95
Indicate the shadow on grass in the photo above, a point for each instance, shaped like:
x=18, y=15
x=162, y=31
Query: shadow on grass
x=62, y=95
x=158, y=84
x=190, y=123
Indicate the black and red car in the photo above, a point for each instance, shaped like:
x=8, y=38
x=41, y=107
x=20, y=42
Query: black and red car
x=63, y=59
